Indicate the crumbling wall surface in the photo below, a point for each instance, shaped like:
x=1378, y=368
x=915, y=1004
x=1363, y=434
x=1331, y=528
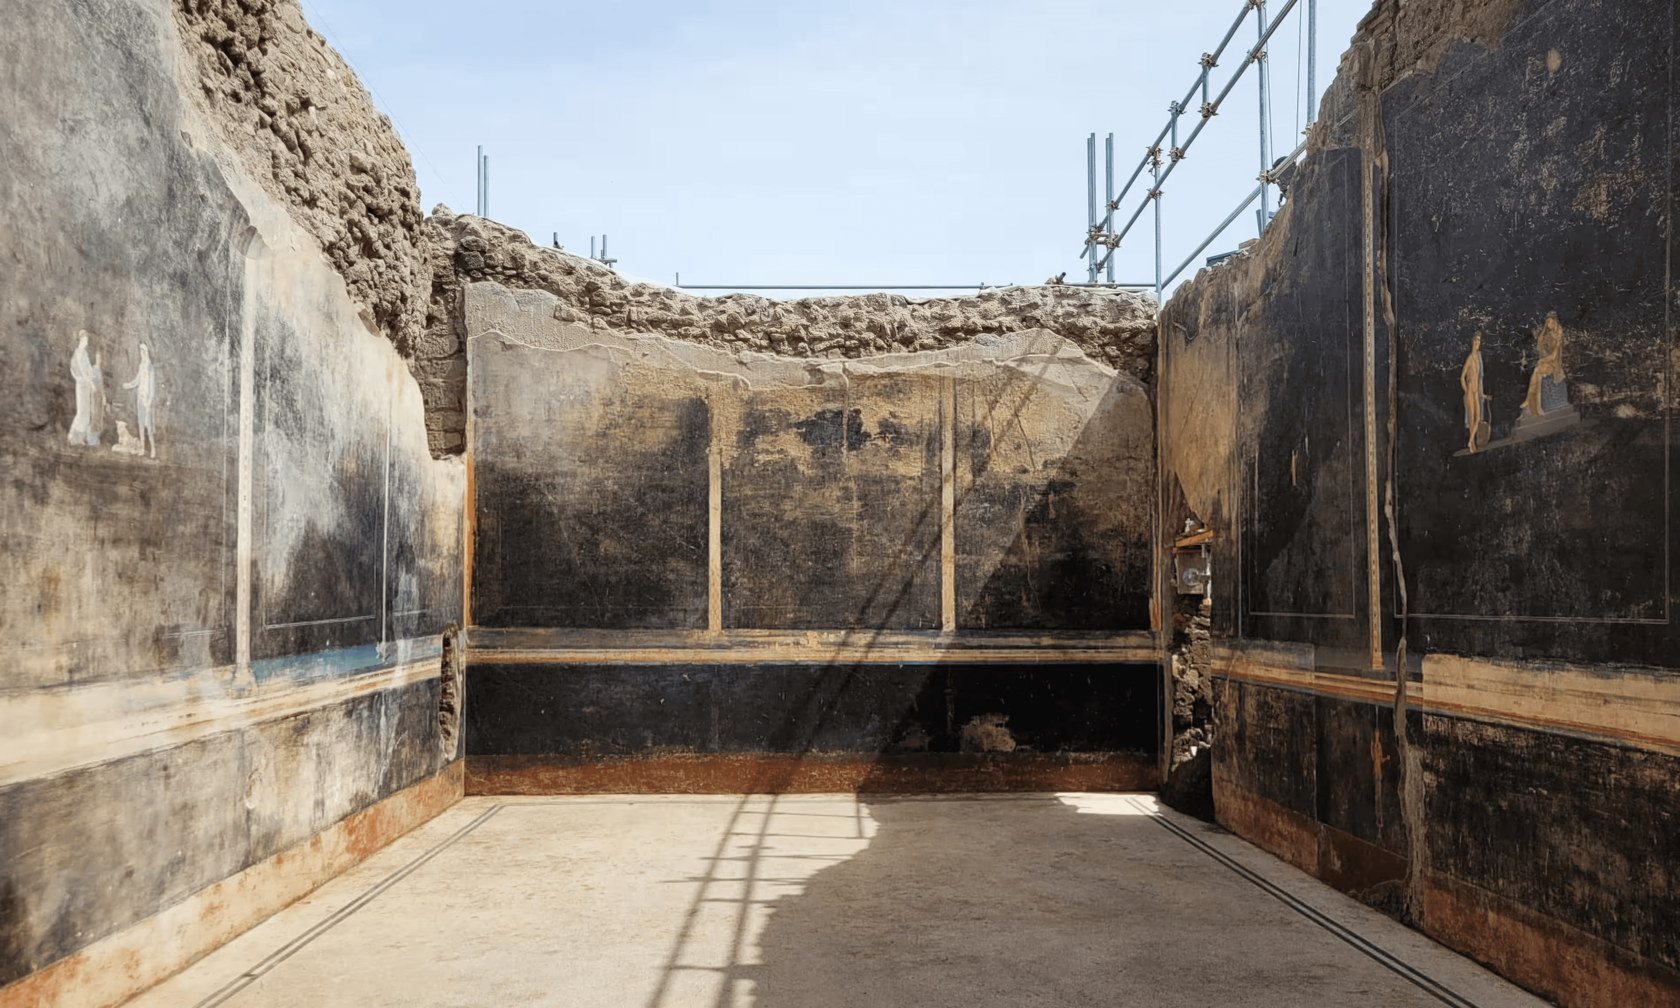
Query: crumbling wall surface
x=229, y=554
x=303, y=127
x=439, y=360
x=1428, y=417
x=1413, y=36
x=696, y=563
x=1111, y=326
x=1188, y=786
x=1114, y=327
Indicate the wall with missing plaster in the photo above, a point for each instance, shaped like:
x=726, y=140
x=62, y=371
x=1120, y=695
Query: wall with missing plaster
x=229, y=553
x=836, y=544
x=1116, y=327
x=707, y=551
x=1427, y=416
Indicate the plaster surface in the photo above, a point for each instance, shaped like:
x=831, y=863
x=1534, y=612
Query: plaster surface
x=824, y=900
x=671, y=538
x=1426, y=423
x=229, y=555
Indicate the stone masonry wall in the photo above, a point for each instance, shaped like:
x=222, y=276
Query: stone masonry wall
x=1115, y=327
x=306, y=130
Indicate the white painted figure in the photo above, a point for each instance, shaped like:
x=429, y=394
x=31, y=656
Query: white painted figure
x=84, y=429
x=97, y=420
x=143, y=388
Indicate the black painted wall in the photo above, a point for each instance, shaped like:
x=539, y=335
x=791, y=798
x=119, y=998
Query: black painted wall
x=142, y=760
x=602, y=466
x=141, y=833
x=1524, y=176
x=1526, y=182
x=848, y=534
x=587, y=711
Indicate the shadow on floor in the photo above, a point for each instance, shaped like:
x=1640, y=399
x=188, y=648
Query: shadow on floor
x=1007, y=900
x=999, y=901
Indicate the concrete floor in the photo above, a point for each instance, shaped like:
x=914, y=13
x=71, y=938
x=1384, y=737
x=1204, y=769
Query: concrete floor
x=809, y=901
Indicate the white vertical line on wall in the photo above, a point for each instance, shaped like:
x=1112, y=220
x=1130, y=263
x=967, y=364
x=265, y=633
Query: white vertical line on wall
x=227, y=432
x=469, y=502
x=385, y=522
x=948, y=504
x=247, y=445
x=1237, y=503
x=714, y=527
x=1373, y=577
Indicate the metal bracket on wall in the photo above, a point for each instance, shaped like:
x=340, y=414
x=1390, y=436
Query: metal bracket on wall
x=1193, y=562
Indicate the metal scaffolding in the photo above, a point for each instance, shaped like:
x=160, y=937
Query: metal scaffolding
x=483, y=183
x=602, y=258
x=1100, y=233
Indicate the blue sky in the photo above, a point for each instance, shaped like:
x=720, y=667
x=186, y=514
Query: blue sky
x=847, y=142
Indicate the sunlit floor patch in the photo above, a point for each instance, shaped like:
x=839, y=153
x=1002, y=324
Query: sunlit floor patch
x=1111, y=804
x=802, y=901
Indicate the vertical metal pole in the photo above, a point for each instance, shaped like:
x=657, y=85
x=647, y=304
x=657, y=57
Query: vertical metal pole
x=1109, y=150
x=1312, y=60
x=1091, y=203
x=478, y=197
x=603, y=246
x=1174, y=121
x=591, y=246
x=1157, y=231
x=1265, y=154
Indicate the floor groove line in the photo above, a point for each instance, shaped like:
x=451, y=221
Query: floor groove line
x=297, y=944
x=1412, y=974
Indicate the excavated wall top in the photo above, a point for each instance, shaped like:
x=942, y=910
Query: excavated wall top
x=304, y=127
x=307, y=131
x=1114, y=327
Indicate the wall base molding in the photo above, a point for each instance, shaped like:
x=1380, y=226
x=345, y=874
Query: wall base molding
x=1552, y=959
x=123, y=964
x=810, y=773
x=1532, y=950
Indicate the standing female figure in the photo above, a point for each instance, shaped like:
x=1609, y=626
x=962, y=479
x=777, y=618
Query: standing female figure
x=1470, y=380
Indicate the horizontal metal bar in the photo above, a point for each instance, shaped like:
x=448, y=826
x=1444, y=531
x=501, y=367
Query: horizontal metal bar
x=839, y=286
x=889, y=286
x=1216, y=233
x=1292, y=156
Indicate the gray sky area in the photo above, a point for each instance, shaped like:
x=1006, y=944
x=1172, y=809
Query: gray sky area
x=850, y=142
